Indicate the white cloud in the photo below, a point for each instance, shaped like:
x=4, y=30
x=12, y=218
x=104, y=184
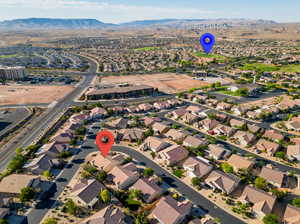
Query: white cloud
x=104, y=10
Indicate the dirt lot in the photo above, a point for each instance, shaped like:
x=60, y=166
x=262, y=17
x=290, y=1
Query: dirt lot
x=165, y=82
x=20, y=94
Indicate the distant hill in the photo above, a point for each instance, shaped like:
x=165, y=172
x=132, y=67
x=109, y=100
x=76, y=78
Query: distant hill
x=47, y=23
x=185, y=22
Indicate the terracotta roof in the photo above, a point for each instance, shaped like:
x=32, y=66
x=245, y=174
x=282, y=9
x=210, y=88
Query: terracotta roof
x=291, y=215
x=223, y=181
x=87, y=190
x=147, y=186
x=108, y=215
x=174, y=153
x=273, y=135
x=176, y=135
x=272, y=175
x=173, y=209
x=197, y=166
x=155, y=144
x=293, y=150
x=263, y=201
x=14, y=183
x=193, y=141
x=263, y=144
x=240, y=162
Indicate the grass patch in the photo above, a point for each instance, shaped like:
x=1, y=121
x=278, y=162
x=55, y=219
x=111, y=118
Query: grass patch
x=9, y=56
x=290, y=68
x=218, y=57
x=178, y=173
x=260, y=67
x=148, y=49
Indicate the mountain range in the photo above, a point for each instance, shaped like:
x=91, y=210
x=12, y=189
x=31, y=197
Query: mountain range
x=48, y=23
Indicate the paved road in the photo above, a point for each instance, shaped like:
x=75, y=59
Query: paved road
x=45, y=119
x=37, y=214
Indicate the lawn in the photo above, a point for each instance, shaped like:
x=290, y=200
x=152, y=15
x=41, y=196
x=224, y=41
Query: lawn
x=260, y=67
x=290, y=68
x=148, y=49
x=218, y=57
x=8, y=56
x=271, y=68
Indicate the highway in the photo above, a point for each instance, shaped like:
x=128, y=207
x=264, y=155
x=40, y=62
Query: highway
x=37, y=214
x=46, y=118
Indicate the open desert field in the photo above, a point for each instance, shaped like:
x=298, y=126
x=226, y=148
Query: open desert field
x=165, y=82
x=20, y=94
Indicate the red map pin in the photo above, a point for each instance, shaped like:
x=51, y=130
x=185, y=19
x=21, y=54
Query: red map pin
x=105, y=141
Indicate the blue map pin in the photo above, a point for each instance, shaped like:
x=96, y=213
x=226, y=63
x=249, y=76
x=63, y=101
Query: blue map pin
x=207, y=41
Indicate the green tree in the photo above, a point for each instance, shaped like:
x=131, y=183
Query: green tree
x=16, y=163
x=260, y=183
x=47, y=174
x=105, y=196
x=280, y=155
x=101, y=176
x=70, y=207
x=50, y=221
x=296, y=202
x=196, y=181
x=27, y=193
x=226, y=167
x=141, y=218
x=148, y=172
x=270, y=219
x=3, y=221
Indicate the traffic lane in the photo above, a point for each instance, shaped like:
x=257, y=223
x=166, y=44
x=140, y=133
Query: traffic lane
x=183, y=188
x=228, y=145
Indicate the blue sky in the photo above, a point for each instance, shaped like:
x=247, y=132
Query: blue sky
x=117, y=11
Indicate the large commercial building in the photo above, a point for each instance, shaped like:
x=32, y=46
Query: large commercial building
x=12, y=73
x=120, y=92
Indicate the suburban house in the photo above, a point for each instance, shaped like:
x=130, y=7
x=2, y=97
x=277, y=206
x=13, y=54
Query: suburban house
x=124, y=176
x=78, y=118
x=266, y=146
x=173, y=154
x=154, y=144
x=63, y=138
x=109, y=215
x=195, y=110
x=254, y=128
x=197, y=167
x=160, y=128
x=293, y=125
x=170, y=211
x=237, y=123
x=40, y=164
x=221, y=129
x=86, y=192
x=273, y=135
x=149, y=188
x=176, y=135
x=226, y=183
x=100, y=162
x=262, y=201
x=194, y=141
x=52, y=149
x=178, y=113
x=132, y=135
x=239, y=110
x=273, y=176
x=296, y=141
x=240, y=162
x=98, y=112
x=291, y=215
x=120, y=123
x=244, y=138
x=12, y=185
x=208, y=124
x=224, y=106
x=189, y=118
x=218, y=152
x=149, y=121
x=293, y=152
x=145, y=106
